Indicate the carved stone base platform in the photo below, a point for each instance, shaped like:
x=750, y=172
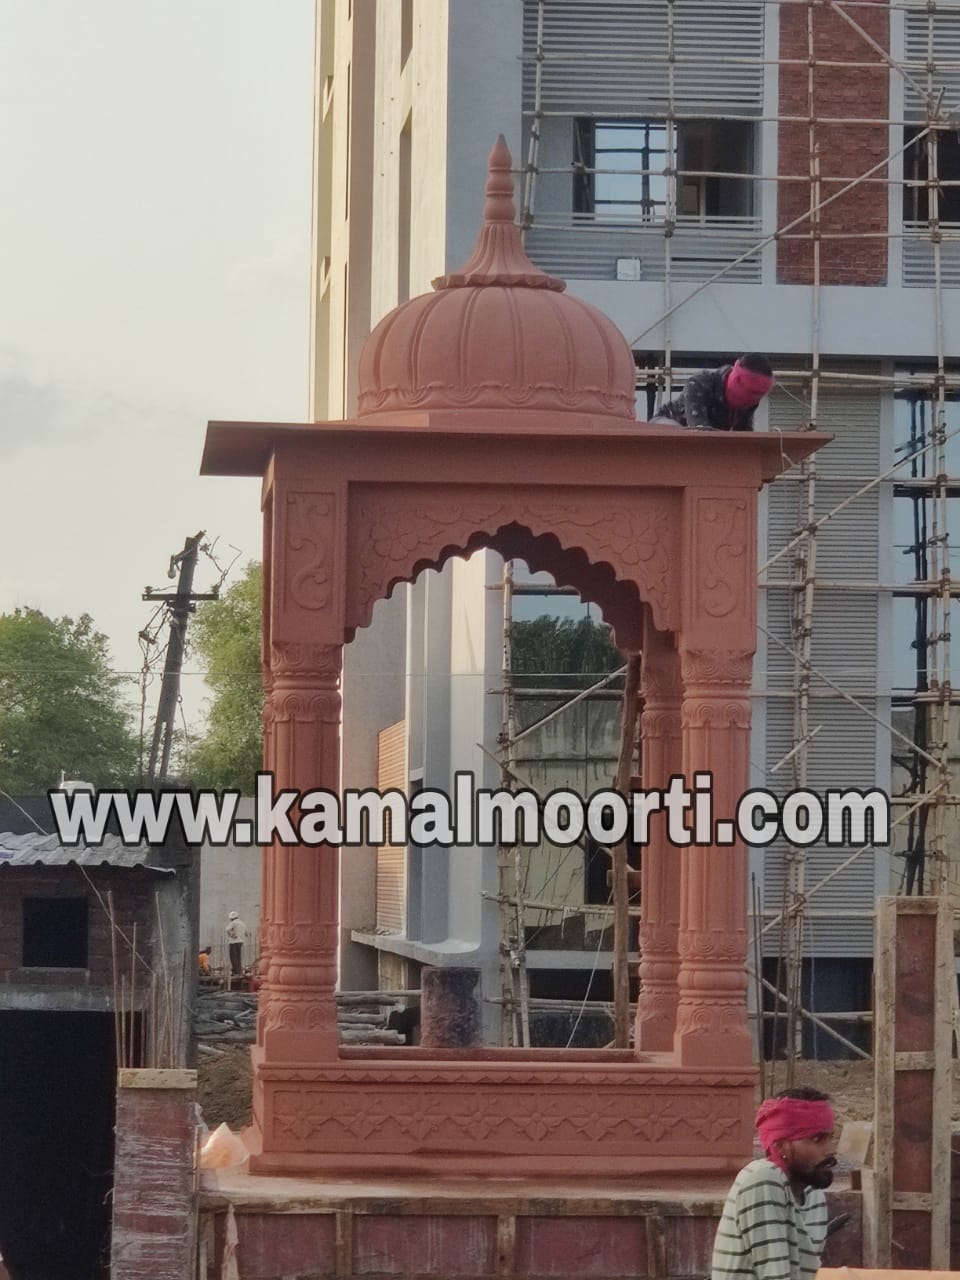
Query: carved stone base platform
x=501, y=1112
x=564, y=1229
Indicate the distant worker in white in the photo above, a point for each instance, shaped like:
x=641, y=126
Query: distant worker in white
x=236, y=937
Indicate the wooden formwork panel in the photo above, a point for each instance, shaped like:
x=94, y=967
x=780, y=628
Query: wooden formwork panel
x=913, y=1079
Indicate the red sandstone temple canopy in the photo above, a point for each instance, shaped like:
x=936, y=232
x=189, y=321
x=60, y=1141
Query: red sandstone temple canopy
x=498, y=412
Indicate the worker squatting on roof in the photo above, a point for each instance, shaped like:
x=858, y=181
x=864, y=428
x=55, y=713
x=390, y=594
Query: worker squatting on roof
x=774, y=1221
x=721, y=399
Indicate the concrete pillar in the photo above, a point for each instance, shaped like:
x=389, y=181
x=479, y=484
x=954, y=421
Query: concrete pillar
x=449, y=1009
x=154, y=1219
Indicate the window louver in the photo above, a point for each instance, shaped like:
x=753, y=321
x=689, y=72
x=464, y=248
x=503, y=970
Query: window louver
x=604, y=57
x=945, y=48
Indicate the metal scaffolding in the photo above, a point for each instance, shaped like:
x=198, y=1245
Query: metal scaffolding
x=920, y=474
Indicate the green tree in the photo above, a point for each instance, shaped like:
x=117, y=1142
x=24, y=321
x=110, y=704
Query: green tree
x=226, y=634
x=557, y=646
x=61, y=705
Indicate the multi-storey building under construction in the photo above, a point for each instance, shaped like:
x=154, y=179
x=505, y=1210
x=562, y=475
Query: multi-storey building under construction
x=780, y=176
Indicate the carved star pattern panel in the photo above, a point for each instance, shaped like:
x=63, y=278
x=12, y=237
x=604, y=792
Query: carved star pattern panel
x=520, y=1121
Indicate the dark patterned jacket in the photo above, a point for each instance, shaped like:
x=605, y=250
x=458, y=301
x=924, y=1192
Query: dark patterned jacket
x=702, y=403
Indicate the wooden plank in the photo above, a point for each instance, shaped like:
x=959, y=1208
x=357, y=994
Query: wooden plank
x=881, y=1184
x=506, y=1244
x=870, y=1231
x=915, y=906
x=921, y=1201
x=855, y=1139
x=914, y=1061
x=156, y=1078
x=944, y=988
x=914, y=992
x=344, y=1244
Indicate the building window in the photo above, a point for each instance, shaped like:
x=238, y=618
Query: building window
x=55, y=933
x=917, y=206
x=622, y=169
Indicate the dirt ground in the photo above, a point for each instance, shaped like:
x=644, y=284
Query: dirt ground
x=225, y=1086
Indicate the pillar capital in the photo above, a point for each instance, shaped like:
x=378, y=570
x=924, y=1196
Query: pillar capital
x=713, y=670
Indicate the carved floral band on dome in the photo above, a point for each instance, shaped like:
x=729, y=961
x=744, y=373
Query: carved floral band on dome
x=499, y=256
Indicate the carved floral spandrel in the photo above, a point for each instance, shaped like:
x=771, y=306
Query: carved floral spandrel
x=397, y=536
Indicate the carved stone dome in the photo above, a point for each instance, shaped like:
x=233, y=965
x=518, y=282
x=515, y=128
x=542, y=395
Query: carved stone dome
x=498, y=334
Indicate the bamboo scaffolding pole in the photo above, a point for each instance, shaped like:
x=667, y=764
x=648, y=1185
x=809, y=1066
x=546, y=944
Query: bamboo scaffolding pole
x=621, y=893
x=846, y=502
x=670, y=147
x=817, y=1022
x=848, y=862
x=805, y=568
x=115, y=971
x=133, y=997
x=939, y=587
x=533, y=146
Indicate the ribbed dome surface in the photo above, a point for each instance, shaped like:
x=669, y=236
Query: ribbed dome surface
x=498, y=334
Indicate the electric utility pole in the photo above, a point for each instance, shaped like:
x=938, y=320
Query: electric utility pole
x=180, y=605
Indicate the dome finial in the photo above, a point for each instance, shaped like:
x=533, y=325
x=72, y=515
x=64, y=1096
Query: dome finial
x=498, y=257
x=499, y=206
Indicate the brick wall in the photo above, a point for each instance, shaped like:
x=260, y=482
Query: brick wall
x=846, y=150
x=133, y=903
x=154, y=1179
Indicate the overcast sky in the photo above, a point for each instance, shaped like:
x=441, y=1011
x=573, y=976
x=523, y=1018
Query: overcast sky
x=155, y=163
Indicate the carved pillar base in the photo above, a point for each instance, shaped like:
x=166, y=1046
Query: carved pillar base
x=662, y=756
x=712, y=1023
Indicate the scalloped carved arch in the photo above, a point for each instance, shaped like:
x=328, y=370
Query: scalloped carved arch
x=616, y=554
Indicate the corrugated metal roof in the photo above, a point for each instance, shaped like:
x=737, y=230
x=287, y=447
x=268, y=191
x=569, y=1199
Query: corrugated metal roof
x=37, y=849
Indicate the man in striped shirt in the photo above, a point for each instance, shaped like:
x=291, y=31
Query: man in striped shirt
x=774, y=1220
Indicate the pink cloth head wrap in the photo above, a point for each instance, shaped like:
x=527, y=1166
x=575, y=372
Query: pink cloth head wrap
x=744, y=388
x=787, y=1119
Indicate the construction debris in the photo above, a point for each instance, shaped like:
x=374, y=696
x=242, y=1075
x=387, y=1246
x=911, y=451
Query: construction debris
x=230, y=1017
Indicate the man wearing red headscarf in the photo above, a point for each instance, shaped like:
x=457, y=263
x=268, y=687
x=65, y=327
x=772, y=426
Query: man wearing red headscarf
x=774, y=1220
x=722, y=399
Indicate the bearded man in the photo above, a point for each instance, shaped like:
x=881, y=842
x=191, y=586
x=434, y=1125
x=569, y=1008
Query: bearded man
x=774, y=1221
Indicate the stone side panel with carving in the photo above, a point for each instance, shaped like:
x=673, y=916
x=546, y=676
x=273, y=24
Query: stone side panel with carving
x=521, y=1117
x=720, y=594
x=307, y=565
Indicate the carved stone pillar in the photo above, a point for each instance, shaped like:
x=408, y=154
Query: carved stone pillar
x=662, y=757
x=717, y=641
x=298, y=1017
x=303, y=658
x=712, y=1025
